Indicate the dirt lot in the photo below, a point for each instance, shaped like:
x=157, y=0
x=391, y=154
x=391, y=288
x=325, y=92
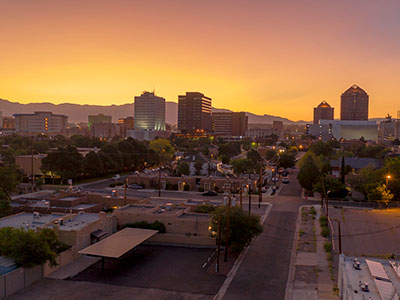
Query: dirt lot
x=367, y=232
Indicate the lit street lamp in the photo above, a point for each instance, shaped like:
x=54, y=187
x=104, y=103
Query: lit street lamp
x=388, y=177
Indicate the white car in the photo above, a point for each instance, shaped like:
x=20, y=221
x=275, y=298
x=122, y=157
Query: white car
x=285, y=180
x=116, y=177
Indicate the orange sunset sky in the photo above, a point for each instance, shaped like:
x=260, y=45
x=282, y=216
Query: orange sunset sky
x=266, y=57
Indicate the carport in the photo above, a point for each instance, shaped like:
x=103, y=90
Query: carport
x=118, y=244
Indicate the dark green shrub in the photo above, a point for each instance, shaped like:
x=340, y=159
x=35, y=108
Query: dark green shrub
x=111, y=185
x=328, y=247
x=146, y=225
x=205, y=208
x=325, y=231
x=186, y=187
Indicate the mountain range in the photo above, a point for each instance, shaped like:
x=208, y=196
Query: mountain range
x=79, y=113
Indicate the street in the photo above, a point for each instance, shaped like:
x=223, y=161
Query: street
x=264, y=271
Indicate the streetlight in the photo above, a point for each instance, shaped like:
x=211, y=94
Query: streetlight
x=388, y=177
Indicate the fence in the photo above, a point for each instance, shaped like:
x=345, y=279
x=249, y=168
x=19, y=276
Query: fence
x=20, y=278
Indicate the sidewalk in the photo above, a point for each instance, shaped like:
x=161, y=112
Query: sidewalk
x=74, y=267
x=309, y=274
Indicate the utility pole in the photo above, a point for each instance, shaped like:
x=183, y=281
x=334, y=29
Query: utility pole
x=249, y=199
x=260, y=187
x=228, y=221
x=159, y=182
x=125, y=187
x=32, y=175
x=241, y=190
x=340, y=238
x=219, y=243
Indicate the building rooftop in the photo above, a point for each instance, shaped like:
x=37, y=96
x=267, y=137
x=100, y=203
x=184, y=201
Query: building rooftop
x=354, y=89
x=382, y=277
x=29, y=220
x=78, y=221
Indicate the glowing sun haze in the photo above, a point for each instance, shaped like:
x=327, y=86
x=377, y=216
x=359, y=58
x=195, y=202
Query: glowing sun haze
x=266, y=57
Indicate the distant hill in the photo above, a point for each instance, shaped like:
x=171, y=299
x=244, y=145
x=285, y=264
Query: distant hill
x=79, y=113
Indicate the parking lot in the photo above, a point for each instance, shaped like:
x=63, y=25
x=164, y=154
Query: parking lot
x=159, y=267
x=367, y=232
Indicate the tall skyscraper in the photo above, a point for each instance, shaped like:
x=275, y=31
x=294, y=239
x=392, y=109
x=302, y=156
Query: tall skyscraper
x=149, y=112
x=323, y=112
x=230, y=123
x=194, y=112
x=354, y=104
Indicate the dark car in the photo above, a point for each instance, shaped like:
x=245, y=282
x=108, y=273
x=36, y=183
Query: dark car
x=210, y=193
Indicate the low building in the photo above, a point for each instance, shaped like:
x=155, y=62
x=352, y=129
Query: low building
x=104, y=130
x=321, y=132
x=147, y=135
x=229, y=123
x=72, y=229
x=352, y=130
x=260, y=133
x=98, y=119
x=30, y=164
x=41, y=122
x=356, y=163
x=363, y=278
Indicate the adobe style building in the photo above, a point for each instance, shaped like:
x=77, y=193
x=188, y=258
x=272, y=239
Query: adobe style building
x=323, y=112
x=194, y=113
x=354, y=104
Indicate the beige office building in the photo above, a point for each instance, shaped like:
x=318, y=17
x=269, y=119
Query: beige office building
x=41, y=122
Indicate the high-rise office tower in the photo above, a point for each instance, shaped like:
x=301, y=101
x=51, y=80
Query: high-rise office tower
x=354, y=104
x=323, y=112
x=149, y=112
x=99, y=119
x=194, y=112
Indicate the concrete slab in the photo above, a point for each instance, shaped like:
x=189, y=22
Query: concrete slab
x=307, y=259
x=305, y=294
x=74, y=267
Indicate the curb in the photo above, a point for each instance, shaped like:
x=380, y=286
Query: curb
x=222, y=291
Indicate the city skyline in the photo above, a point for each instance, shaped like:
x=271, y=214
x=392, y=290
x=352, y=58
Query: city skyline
x=278, y=59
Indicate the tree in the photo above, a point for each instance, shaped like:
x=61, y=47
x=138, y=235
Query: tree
x=367, y=180
x=183, y=168
x=8, y=180
x=380, y=194
x=270, y=154
x=243, y=228
x=199, y=167
x=111, y=158
x=66, y=162
x=343, y=171
x=321, y=148
x=28, y=247
x=329, y=183
x=163, y=148
x=224, y=159
x=254, y=156
x=243, y=166
x=308, y=174
x=5, y=207
x=286, y=160
x=92, y=165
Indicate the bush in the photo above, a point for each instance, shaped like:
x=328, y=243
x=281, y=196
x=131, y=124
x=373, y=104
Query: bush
x=186, y=187
x=328, y=247
x=205, y=208
x=145, y=225
x=201, y=189
x=323, y=221
x=29, y=248
x=325, y=231
x=119, y=183
x=313, y=211
x=111, y=185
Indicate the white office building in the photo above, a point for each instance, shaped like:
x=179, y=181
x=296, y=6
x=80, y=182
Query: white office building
x=149, y=112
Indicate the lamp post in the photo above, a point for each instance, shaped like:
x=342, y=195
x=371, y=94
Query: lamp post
x=388, y=177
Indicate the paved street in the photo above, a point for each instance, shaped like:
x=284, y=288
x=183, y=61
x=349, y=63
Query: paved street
x=264, y=270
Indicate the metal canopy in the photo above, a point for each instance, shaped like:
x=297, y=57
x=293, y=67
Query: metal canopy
x=119, y=243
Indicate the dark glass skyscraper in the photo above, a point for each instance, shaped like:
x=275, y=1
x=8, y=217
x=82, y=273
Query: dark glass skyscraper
x=354, y=104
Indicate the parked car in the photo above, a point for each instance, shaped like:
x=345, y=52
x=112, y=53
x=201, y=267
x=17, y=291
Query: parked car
x=116, y=177
x=285, y=180
x=134, y=186
x=210, y=193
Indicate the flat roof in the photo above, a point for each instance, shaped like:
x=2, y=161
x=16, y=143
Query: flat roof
x=28, y=221
x=79, y=221
x=119, y=243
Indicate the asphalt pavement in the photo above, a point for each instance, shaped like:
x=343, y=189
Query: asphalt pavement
x=264, y=271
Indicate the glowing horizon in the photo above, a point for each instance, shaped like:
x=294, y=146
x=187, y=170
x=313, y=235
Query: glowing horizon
x=263, y=57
